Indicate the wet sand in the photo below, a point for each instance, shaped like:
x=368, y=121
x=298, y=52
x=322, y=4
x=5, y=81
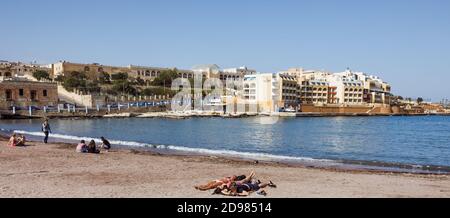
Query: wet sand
x=56, y=170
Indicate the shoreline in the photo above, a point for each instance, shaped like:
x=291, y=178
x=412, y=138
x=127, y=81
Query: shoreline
x=305, y=162
x=172, y=115
x=55, y=170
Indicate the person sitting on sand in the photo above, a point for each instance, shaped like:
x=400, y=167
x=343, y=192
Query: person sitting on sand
x=105, y=144
x=13, y=140
x=82, y=147
x=92, y=147
x=219, y=182
x=21, y=140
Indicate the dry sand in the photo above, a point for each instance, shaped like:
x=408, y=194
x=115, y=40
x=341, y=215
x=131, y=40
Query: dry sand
x=55, y=170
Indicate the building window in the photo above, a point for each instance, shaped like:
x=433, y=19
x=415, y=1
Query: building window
x=86, y=69
x=20, y=92
x=44, y=93
x=33, y=95
x=8, y=94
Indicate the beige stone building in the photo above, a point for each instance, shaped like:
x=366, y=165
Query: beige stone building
x=93, y=71
x=19, y=69
x=288, y=90
x=271, y=92
x=22, y=93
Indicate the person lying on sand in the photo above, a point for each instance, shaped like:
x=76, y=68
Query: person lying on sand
x=245, y=189
x=13, y=140
x=221, y=182
x=21, y=140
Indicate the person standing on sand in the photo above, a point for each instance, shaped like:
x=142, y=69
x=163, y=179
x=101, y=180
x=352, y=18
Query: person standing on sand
x=46, y=129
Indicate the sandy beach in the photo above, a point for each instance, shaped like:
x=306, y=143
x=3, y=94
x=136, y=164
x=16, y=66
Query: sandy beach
x=55, y=170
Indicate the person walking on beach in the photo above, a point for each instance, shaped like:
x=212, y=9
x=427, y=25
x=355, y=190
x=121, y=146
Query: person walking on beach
x=46, y=129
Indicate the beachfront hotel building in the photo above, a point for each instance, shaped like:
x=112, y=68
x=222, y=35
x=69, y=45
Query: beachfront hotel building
x=348, y=90
x=271, y=92
x=314, y=86
x=288, y=90
x=21, y=92
x=375, y=90
x=345, y=88
x=261, y=91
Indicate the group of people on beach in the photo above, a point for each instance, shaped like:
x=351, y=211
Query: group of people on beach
x=19, y=140
x=92, y=147
x=237, y=185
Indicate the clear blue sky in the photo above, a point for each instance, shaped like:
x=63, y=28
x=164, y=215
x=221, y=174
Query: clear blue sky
x=406, y=42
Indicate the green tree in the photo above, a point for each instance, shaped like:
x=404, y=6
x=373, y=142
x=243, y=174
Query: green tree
x=73, y=80
x=165, y=78
x=77, y=75
x=71, y=83
x=157, y=91
x=104, y=78
x=60, y=78
x=92, y=87
x=124, y=87
x=119, y=77
x=419, y=100
x=140, y=81
x=40, y=74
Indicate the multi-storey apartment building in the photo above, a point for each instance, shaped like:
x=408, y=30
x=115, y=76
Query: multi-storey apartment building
x=271, y=92
x=375, y=90
x=314, y=87
x=260, y=90
x=346, y=88
x=235, y=73
x=289, y=90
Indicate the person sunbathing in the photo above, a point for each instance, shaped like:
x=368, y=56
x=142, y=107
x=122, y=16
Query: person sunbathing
x=245, y=189
x=222, y=182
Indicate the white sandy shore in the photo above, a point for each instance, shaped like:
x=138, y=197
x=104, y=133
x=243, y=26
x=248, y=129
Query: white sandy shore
x=55, y=170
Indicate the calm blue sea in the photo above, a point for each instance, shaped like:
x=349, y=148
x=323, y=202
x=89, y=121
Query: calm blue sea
x=413, y=141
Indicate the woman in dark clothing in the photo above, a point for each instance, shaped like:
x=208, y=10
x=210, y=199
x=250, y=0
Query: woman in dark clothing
x=105, y=143
x=92, y=147
x=46, y=129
